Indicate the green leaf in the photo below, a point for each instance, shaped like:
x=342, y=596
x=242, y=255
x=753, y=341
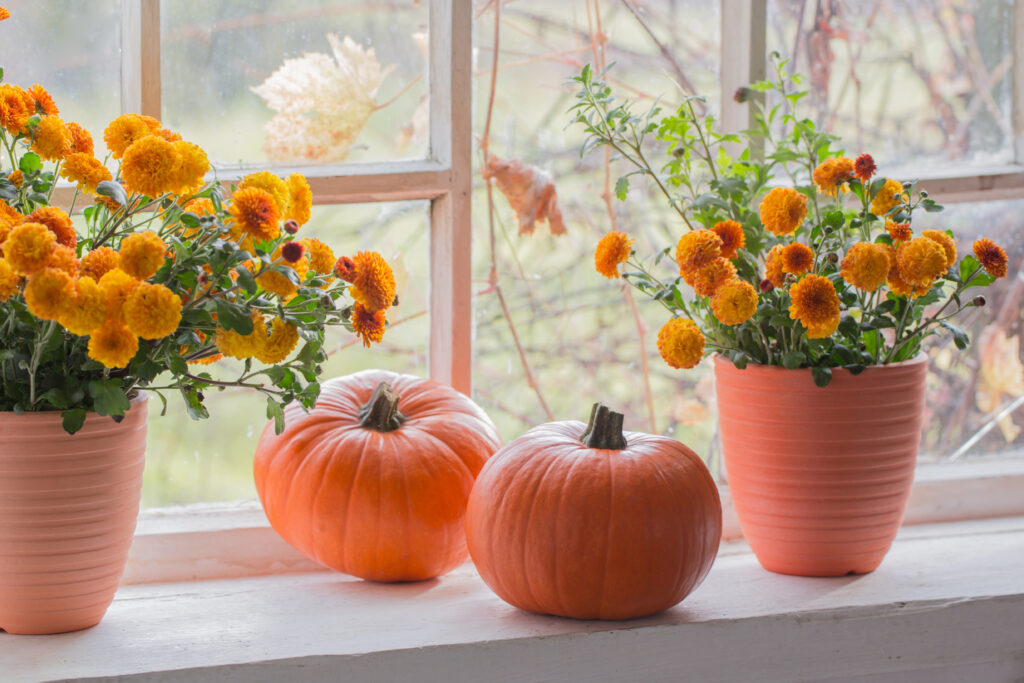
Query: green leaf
x=73, y=419
x=622, y=188
x=275, y=412
x=246, y=280
x=30, y=163
x=822, y=376
x=190, y=219
x=739, y=359
x=114, y=190
x=234, y=317
x=55, y=397
x=960, y=337
x=108, y=397
x=793, y=360
x=178, y=365
x=871, y=340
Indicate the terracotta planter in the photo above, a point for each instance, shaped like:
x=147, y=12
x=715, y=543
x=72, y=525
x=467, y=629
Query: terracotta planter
x=68, y=505
x=820, y=476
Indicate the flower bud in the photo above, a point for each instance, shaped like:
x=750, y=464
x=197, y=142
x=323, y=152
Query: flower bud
x=766, y=285
x=742, y=94
x=291, y=226
x=833, y=258
x=978, y=301
x=292, y=251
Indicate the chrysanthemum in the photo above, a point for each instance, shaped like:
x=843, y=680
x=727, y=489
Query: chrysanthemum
x=123, y=132
x=279, y=343
x=897, y=285
x=86, y=170
x=141, y=254
x=816, y=305
x=4, y=13
x=866, y=266
x=734, y=302
x=300, y=199
x=708, y=278
x=194, y=164
x=28, y=247
x=681, y=343
x=17, y=178
x=921, y=260
x=833, y=174
x=64, y=259
x=200, y=206
x=81, y=139
x=10, y=281
x=321, y=258
x=267, y=181
x=47, y=292
x=731, y=234
x=368, y=324
x=98, y=262
x=150, y=166
x=783, y=210
x=797, y=258
x=113, y=345
x=864, y=167
x=117, y=285
x=889, y=196
x=152, y=311
x=87, y=308
x=373, y=283
x=991, y=256
x=16, y=106
x=773, y=266
x=240, y=346
x=279, y=283
x=58, y=222
x=254, y=212
x=898, y=232
x=52, y=140
x=612, y=249
x=9, y=216
x=944, y=241
x=44, y=104
x=345, y=268
x=697, y=248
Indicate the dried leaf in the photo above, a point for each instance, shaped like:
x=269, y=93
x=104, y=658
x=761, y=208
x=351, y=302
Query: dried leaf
x=529, y=190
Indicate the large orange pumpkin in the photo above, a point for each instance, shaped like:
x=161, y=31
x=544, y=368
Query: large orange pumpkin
x=374, y=480
x=586, y=521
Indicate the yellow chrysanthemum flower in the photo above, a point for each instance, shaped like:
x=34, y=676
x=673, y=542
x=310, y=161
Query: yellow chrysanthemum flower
x=16, y=106
x=866, y=266
x=240, y=346
x=142, y=254
x=47, y=293
x=992, y=257
x=150, y=166
x=64, y=259
x=113, y=345
x=368, y=324
x=612, y=249
x=28, y=247
x=944, y=241
x=270, y=183
x=192, y=168
x=300, y=199
x=681, y=343
x=279, y=343
x=98, y=262
x=372, y=283
x=58, y=222
x=200, y=206
x=17, y=178
x=921, y=260
x=117, y=285
x=735, y=302
x=321, y=258
x=52, y=139
x=773, y=266
x=44, y=103
x=708, y=278
x=124, y=131
x=797, y=258
x=816, y=305
x=87, y=309
x=696, y=249
x=81, y=139
x=86, y=170
x=9, y=216
x=10, y=281
x=889, y=196
x=833, y=174
x=152, y=311
x=731, y=234
x=278, y=283
x=254, y=212
x=783, y=210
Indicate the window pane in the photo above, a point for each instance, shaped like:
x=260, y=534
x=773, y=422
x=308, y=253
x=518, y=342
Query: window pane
x=188, y=461
x=347, y=80
x=918, y=84
x=72, y=49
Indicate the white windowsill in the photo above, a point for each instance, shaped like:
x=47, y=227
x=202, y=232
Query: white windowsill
x=946, y=605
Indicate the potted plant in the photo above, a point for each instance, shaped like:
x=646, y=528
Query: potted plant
x=162, y=276
x=800, y=269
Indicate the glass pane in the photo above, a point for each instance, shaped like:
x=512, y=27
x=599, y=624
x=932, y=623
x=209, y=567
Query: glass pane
x=296, y=81
x=918, y=84
x=72, y=49
x=188, y=461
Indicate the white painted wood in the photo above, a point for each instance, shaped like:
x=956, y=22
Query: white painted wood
x=743, y=41
x=1018, y=81
x=948, y=599
x=140, y=57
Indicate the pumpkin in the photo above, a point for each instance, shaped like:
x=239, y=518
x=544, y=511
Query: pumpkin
x=374, y=480
x=586, y=521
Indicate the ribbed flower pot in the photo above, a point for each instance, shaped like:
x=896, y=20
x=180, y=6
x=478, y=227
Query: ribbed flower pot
x=68, y=505
x=820, y=476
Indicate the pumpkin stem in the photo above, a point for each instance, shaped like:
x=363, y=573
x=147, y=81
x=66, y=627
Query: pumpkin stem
x=604, y=429
x=381, y=411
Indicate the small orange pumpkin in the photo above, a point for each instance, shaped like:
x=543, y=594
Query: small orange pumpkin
x=371, y=490
x=586, y=521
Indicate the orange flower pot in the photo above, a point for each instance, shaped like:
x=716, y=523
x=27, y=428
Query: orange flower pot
x=68, y=505
x=820, y=476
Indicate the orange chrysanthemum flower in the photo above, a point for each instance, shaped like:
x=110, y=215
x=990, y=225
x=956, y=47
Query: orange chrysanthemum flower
x=64, y=259
x=944, y=241
x=81, y=139
x=783, y=210
x=87, y=308
x=797, y=258
x=278, y=283
x=28, y=247
x=86, y=170
x=300, y=199
x=270, y=183
x=708, y=278
x=681, y=343
x=10, y=281
x=321, y=258
x=152, y=311
x=991, y=256
x=816, y=305
x=735, y=302
x=899, y=232
x=58, y=222
x=150, y=166
x=921, y=260
x=897, y=285
x=833, y=174
x=200, y=206
x=17, y=178
x=113, y=345
x=99, y=262
x=44, y=104
x=696, y=249
x=16, y=106
x=866, y=266
x=52, y=139
x=372, y=281
x=192, y=168
x=890, y=196
x=117, y=285
x=47, y=293
x=773, y=266
x=254, y=212
x=9, y=217
x=142, y=254
x=275, y=347
x=4, y=13
x=731, y=234
x=368, y=324
x=612, y=249
x=124, y=131
x=864, y=167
